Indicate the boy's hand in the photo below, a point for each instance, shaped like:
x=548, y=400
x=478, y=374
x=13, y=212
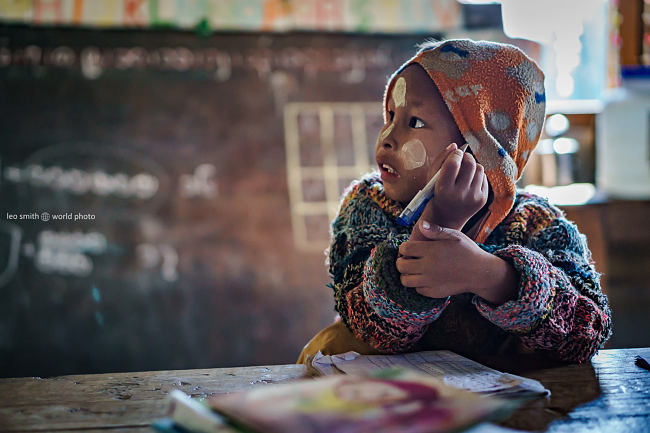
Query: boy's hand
x=460, y=192
x=448, y=263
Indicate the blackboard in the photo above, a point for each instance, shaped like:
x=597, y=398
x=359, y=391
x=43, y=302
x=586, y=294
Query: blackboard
x=147, y=214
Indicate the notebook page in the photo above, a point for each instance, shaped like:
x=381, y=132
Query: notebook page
x=453, y=369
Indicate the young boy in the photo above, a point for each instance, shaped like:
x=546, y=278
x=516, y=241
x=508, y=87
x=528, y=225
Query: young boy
x=485, y=269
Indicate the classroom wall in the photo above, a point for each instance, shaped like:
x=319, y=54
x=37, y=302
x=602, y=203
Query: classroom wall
x=193, y=176
x=153, y=216
x=241, y=15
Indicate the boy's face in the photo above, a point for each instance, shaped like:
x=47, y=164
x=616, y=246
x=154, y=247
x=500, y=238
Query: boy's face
x=419, y=126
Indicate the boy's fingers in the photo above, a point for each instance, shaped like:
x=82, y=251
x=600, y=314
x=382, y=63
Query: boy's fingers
x=408, y=266
x=479, y=176
x=414, y=249
x=449, y=169
x=466, y=171
x=485, y=185
x=412, y=280
x=407, y=249
x=430, y=292
x=435, y=232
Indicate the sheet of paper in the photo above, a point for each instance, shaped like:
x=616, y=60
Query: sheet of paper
x=324, y=364
x=453, y=369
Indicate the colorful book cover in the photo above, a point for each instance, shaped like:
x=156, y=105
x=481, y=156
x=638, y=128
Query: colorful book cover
x=394, y=400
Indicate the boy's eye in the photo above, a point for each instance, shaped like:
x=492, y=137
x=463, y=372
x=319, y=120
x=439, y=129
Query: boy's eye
x=391, y=114
x=416, y=123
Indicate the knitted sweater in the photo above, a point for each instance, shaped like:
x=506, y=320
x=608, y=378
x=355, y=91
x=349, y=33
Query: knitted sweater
x=560, y=308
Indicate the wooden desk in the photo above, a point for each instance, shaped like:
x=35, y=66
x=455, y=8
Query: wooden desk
x=611, y=394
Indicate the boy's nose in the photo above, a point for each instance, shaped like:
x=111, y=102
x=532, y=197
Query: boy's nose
x=387, y=139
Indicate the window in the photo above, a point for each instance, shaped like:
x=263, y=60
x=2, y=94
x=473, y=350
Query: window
x=327, y=146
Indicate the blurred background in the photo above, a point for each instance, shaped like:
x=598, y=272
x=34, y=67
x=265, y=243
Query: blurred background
x=169, y=168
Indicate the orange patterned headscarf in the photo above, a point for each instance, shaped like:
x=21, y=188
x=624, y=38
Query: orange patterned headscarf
x=496, y=96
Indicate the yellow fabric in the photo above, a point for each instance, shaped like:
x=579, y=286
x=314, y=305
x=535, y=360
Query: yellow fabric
x=332, y=340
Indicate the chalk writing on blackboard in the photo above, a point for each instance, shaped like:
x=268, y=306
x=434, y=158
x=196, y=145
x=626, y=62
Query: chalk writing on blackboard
x=68, y=253
x=93, y=185
x=201, y=183
x=163, y=255
x=142, y=185
x=110, y=179
x=101, y=180
x=11, y=234
x=93, y=61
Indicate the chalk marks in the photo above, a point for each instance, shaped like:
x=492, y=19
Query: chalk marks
x=71, y=253
x=201, y=183
x=115, y=184
x=10, y=235
x=163, y=255
x=111, y=181
x=68, y=253
x=89, y=242
x=94, y=61
x=86, y=169
x=91, y=63
x=76, y=181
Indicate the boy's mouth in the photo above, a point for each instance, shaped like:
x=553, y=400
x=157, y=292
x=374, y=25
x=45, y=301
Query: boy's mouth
x=388, y=172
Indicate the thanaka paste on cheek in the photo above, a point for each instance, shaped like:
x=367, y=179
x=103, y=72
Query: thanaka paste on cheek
x=413, y=154
x=386, y=132
x=399, y=92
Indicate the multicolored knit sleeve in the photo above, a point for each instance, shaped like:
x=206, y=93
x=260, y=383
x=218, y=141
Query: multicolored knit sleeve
x=368, y=293
x=560, y=307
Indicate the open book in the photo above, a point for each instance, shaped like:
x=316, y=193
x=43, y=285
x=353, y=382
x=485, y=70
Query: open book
x=452, y=369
